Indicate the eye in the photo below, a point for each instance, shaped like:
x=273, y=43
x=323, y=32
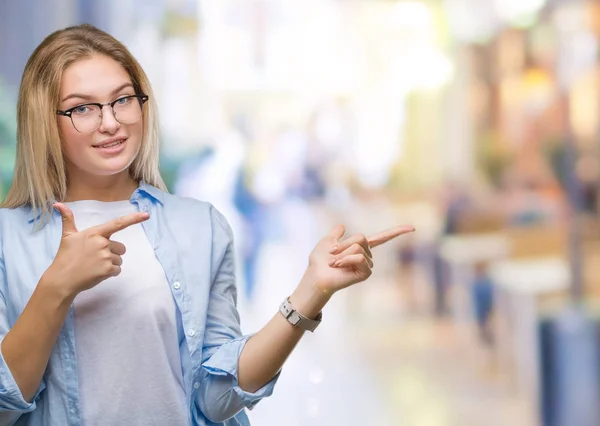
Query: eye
x=123, y=101
x=82, y=109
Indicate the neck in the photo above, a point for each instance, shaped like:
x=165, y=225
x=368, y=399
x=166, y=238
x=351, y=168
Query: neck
x=106, y=188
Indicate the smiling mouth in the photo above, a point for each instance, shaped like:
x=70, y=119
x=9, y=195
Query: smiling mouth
x=110, y=145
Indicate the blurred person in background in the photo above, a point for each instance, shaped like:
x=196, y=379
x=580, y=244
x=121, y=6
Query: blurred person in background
x=143, y=330
x=455, y=203
x=482, y=293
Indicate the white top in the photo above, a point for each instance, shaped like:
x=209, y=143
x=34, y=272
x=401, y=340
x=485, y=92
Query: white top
x=126, y=334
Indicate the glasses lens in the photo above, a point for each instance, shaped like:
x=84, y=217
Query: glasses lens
x=86, y=118
x=128, y=110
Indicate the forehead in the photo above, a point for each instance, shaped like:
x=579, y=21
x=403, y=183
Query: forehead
x=95, y=76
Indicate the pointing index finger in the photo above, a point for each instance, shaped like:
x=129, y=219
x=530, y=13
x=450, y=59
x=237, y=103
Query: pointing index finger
x=389, y=234
x=118, y=224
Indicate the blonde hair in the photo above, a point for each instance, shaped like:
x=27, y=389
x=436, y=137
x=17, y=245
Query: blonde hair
x=40, y=170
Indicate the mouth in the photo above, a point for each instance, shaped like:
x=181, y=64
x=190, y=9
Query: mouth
x=111, y=148
x=110, y=144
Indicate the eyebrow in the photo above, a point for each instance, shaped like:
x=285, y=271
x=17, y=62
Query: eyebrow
x=88, y=97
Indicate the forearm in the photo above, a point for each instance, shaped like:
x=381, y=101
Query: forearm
x=27, y=346
x=265, y=353
x=334, y=264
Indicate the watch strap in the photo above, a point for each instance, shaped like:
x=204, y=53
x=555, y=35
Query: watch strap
x=297, y=319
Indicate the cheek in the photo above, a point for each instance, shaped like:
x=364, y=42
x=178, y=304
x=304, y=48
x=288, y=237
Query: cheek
x=66, y=129
x=137, y=132
x=73, y=142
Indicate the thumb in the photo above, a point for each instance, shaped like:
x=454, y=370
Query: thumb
x=68, y=220
x=337, y=232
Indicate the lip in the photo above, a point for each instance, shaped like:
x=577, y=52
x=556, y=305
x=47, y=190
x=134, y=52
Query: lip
x=109, y=141
x=112, y=150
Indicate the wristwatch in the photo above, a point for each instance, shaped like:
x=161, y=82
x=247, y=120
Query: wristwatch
x=297, y=319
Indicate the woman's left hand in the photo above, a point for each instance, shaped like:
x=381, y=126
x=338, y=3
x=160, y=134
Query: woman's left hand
x=337, y=263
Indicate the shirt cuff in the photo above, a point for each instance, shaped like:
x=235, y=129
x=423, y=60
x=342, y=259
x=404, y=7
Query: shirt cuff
x=224, y=362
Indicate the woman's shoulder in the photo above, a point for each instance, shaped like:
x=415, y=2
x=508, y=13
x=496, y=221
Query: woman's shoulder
x=174, y=201
x=194, y=211
x=189, y=211
x=168, y=200
x=15, y=216
x=15, y=221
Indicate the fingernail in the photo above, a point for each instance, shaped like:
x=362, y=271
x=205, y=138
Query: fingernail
x=332, y=262
x=338, y=263
x=145, y=215
x=333, y=249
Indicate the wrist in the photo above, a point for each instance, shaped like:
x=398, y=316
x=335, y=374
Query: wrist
x=309, y=299
x=50, y=285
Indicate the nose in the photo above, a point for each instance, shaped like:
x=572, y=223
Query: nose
x=108, y=121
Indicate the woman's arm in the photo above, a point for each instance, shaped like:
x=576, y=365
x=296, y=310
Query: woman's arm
x=238, y=371
x=333, y=265
x=265, y=353
x=84, y=259
x=27, y=346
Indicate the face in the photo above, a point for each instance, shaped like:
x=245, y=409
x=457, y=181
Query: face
x=113, y=146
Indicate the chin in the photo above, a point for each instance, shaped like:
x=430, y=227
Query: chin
x=113, y=167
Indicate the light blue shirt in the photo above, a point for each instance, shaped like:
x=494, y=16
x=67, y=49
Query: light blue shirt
x=194, y=245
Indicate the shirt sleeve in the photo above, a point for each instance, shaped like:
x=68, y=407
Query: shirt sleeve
x=220, y=397
x=12, y=403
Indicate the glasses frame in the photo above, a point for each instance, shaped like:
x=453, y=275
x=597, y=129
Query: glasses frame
x=69, y=112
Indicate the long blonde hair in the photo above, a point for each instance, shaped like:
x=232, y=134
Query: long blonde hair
x=40, y=170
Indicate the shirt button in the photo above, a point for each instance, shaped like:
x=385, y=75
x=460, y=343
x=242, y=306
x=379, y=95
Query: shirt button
x=176, y=285
x=191, y=332
x=196, y=385
x=145, y=208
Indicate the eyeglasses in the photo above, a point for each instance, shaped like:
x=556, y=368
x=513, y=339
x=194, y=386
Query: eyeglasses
x=87, y=118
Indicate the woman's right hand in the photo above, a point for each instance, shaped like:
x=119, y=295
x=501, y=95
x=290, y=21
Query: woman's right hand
x=87, y=258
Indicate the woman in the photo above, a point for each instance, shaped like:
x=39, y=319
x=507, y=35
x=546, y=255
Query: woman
x=118, y=300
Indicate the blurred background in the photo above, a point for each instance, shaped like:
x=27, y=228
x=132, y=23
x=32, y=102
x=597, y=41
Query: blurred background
x=476, y=121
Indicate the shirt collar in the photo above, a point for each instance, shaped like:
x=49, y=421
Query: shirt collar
x=144, y=188
x=35, y=214
x=150, y=190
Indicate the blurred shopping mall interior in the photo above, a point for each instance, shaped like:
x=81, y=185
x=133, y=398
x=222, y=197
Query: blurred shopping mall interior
x=476, y=121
